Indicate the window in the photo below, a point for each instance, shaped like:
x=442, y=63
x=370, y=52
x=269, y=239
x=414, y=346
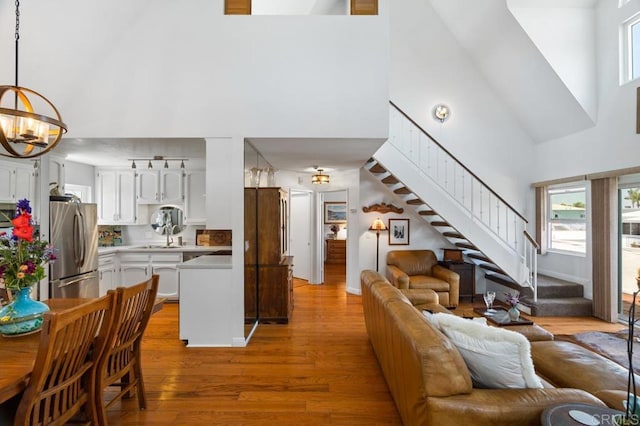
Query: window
x=631, y=49
x=83, y=192
x=567, y=219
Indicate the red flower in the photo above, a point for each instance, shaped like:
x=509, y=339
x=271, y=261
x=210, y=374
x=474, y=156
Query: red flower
x=22, y=227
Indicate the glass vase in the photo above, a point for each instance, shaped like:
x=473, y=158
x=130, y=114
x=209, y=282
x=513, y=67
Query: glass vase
x=514, y=314
x=23, y=315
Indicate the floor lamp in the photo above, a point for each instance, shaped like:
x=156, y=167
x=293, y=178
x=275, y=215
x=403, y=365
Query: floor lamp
x=377, y=226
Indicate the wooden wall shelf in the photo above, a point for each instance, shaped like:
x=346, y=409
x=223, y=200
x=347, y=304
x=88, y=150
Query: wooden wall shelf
x=382, y=208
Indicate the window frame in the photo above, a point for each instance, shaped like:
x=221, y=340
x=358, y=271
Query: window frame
x=626, y=49
x=550, y=220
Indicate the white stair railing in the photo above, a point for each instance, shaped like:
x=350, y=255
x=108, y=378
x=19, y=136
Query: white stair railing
x=468, y=191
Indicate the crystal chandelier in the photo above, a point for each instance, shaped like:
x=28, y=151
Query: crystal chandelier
x=27, y=129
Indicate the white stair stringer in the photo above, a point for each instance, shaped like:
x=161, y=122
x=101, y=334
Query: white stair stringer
x=505, y=255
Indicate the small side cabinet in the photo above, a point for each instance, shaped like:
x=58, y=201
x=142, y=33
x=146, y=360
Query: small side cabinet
x=467, y=272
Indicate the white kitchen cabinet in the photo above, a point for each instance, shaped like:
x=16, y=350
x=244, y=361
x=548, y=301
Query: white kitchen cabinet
x=195, y=204
x=18, y=181
x=160, y=186
x=107, y=273
x=136, y=267
x=57, y=172
x=132, y=273
x=116, y=197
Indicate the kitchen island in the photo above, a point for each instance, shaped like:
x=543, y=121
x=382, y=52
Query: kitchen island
x=206, y=289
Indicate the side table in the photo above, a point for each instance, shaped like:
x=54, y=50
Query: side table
x=467, y=272
x=559, y=415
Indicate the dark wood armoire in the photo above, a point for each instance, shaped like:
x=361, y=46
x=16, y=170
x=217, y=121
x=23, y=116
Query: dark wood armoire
x=268, y=268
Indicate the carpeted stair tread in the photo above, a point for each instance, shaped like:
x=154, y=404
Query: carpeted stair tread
x=549, y=287
x=559, y=307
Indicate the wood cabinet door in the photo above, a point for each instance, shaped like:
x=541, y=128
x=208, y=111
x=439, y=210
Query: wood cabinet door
x=237, y=7
x=273, y=293
x=364, y=7
x=269, y=226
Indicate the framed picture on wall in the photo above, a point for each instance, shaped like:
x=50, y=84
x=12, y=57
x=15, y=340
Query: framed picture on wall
x=335, y=212
x=398, y=232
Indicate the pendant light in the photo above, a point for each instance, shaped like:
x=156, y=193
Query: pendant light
x=319, y=178
x=24, y=132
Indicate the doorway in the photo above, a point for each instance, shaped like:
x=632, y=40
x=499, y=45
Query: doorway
x=301, y=223
x=334, y=236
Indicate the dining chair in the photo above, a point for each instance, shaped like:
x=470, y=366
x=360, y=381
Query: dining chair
x=5, y=296
x=120, y=365
x=63, y=379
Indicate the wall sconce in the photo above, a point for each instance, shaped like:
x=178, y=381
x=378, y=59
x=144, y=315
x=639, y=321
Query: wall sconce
x=441, y=112
x=378, y=226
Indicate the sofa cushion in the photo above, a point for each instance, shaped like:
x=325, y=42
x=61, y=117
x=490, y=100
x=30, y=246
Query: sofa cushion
x=427, y=282
x=496, y=358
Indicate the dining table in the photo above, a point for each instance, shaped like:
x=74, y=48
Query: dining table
x=18, y=353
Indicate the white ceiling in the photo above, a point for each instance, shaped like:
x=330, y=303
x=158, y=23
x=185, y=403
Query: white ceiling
x=298, y=154
x=302, y=154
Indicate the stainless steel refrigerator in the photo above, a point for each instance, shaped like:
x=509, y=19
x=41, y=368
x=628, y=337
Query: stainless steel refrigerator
x=74, y=236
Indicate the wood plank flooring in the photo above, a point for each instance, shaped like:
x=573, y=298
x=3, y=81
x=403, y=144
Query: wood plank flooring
x=319, y=369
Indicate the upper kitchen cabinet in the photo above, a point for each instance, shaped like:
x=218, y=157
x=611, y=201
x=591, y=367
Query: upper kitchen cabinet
x=195, y=203
x=116, y=197
x=160, y=186
x=57, y=173
x=18, y=181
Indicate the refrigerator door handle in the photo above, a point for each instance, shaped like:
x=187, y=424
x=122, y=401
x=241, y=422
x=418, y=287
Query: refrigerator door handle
x=76, y=240
x=77, y=280
x=83, y=239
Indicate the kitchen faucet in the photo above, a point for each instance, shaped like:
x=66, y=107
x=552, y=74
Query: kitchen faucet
x=167, y=230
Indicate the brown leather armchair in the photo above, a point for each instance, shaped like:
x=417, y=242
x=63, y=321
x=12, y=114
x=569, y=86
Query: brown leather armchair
x=419, y=269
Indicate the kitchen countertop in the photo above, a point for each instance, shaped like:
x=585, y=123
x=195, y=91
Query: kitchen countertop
x=207, y=262
x=157, y=248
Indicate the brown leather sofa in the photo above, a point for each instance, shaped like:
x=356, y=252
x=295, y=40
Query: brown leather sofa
x=419, y=269
x=427, y=376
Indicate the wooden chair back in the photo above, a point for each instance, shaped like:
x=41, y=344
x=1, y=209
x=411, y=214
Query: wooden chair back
x=63, y=379
x=5, y=296
x=120, y=364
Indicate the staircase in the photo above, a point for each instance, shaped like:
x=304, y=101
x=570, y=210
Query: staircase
x=556, y=298
x=493, y=236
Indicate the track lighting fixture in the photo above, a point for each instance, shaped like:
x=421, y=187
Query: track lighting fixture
x=150, y=161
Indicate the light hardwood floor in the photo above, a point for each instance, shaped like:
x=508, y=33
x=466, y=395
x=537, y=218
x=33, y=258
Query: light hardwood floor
x=319, y=369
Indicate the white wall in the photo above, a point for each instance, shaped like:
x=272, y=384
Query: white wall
x=80, y=174
x=566, y=38
x=427, y=68
x=164, y=68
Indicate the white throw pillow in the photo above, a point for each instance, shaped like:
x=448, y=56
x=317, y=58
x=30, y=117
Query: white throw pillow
x=495, y=357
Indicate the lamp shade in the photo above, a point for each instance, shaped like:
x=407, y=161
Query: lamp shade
x=377, y=225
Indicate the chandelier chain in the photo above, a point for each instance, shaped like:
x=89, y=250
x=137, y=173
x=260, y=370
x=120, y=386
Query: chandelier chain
x=17, y=35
